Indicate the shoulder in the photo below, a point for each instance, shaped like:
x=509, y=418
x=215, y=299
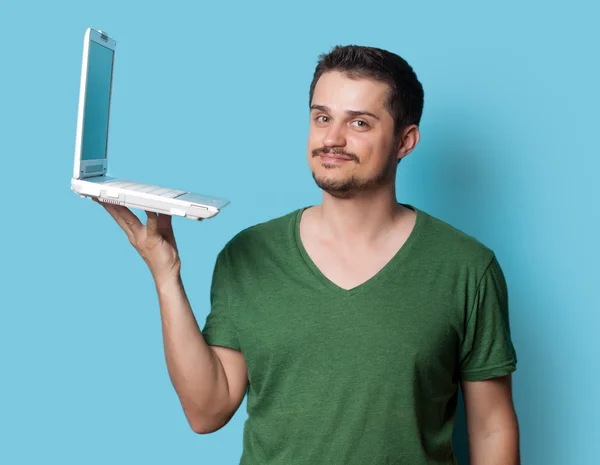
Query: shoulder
x=272, y=234
x=448, y=243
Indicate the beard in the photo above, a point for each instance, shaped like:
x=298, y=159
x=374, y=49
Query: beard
x=352, y=186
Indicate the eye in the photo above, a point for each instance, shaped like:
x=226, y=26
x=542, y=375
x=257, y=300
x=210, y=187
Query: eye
x=322, y=119
x=360, y=124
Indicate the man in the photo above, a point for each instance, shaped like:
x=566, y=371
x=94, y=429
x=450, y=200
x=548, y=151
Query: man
x=350, y=324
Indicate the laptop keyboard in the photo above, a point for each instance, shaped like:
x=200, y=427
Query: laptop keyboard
x=146, y=188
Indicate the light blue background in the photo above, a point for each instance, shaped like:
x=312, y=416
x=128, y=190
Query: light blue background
x=212, y=97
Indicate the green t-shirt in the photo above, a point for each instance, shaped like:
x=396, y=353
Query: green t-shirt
x=361, y=376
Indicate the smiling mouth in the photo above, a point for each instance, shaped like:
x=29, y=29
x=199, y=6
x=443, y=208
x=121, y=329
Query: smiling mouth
x=330, y=157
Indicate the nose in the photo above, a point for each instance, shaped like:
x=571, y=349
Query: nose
x=334, y=137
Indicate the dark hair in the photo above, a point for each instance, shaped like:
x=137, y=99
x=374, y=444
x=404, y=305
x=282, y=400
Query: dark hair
x=406, y=92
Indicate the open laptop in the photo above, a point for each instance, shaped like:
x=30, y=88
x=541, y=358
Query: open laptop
x=91, y=146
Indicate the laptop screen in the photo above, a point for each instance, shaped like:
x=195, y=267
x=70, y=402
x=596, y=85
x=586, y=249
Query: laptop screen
x=97, y=102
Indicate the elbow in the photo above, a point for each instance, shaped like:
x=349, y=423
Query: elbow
x=203, y=428
x=208, y=416
x=202, y=424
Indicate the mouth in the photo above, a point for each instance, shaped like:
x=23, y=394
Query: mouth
x=333, y=158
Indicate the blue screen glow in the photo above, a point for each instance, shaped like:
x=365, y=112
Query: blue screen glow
x=97, y=102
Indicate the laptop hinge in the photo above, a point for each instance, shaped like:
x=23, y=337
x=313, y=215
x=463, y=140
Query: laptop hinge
x=92, y=168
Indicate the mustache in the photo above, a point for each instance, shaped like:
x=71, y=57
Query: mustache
x=335, y=151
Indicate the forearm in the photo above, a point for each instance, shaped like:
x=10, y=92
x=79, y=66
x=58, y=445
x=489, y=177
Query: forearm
x=499, y=447
x=194, y=369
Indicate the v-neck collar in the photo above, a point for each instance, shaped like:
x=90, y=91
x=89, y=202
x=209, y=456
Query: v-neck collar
x=398, y=256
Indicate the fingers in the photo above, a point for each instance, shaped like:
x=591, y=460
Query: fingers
x=161, y=224
x=156, y=225
x=130, y=234
x=132, y=221
x=165, y=222
x=125, y=218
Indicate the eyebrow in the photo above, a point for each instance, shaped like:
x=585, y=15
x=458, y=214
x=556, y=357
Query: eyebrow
x=348, y=112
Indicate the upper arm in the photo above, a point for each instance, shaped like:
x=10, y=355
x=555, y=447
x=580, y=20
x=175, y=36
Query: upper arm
x=486, y=349
x=489, y=404
x=221, y=334
x=236, y=374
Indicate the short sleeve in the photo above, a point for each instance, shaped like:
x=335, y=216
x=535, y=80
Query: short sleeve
x=487, y=350
x=220, y=329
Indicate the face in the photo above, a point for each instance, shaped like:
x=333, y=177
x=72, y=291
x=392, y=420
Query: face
x=351, y=145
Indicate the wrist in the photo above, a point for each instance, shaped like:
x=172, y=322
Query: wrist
x=167, y=282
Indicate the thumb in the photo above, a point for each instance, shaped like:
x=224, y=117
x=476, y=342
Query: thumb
x=152, y=223
x=165, y=228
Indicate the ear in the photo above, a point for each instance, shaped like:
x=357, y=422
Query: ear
x=407, y=141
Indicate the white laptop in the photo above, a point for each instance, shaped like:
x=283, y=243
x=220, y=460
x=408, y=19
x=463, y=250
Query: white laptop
x=91, y=146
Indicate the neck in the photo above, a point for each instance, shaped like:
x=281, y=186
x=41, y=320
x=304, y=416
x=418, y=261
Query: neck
x=364, y=218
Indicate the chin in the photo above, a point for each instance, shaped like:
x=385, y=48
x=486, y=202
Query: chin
x=342, y=186
x=328, y=170
x=327, y=174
